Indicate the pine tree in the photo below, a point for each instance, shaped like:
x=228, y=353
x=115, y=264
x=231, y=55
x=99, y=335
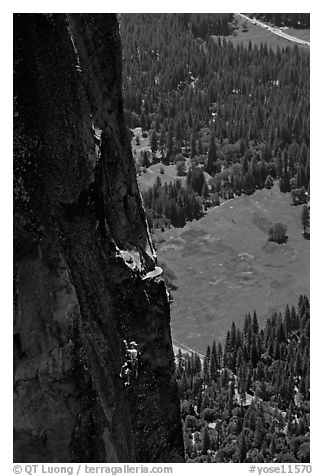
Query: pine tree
x=211, y=166
x=254, y=168
x=169, y=144
x=243, y=449
x=303, y=154
x=193, y=145
x=205, y=191
x=145, y=160
x=206, y=441
x=200, y=148
x=198, y=180
x=307, y=172
x=247, y=328
x=143, y=121
x=180, y=216
x=206, y=365
x=229, y=399
x=284, y=181
x=254, y=354
x=259, y=431
x=220, y=355
x=255, y=325
x=293, y=152
x=162, y=141
x=189, y=178
x=281, y=333
x=153, y=141
x=301, y=179
x=305, y=218
x=213, y=367
x=298, y=365
x=215, y=354
x=245, y=163
x=272, y=447
x=197, y=363
x=178, y=133
x=262, y=173
x=279, y=164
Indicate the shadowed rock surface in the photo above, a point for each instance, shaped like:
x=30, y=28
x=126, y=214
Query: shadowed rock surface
x=81, y=249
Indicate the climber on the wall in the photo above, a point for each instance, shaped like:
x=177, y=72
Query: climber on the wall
x=132, y=351
x=125, y=374
x=133, y=355
x=130, y=367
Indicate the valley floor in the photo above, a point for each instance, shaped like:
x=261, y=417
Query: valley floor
x=225, y=266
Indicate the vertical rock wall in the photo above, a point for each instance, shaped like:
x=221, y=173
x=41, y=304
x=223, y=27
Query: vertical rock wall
x=81, y=249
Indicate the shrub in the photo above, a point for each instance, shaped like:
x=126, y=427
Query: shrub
x=179, y=158
x=269, y=182
x=180, y=168
x=156, y=160
x=277, y=233
x=214, y=199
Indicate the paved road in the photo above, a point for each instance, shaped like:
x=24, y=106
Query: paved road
x=276, y=31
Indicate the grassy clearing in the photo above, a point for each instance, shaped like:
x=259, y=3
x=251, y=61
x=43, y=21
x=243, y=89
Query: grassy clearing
x=257, y=35
x=143, y=143
x=225, y=266
x=148, y=178
x=302, y=34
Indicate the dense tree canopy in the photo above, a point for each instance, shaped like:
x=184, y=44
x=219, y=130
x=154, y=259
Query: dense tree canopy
x=249, y=93
x=249, y=401
x=172, y=204
x=294, y=20
x=197, y=94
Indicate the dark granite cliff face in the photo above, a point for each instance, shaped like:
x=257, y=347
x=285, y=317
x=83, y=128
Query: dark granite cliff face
x=81, y=249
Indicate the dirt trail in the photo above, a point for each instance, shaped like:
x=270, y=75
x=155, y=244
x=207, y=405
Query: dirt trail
x=184, y=348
